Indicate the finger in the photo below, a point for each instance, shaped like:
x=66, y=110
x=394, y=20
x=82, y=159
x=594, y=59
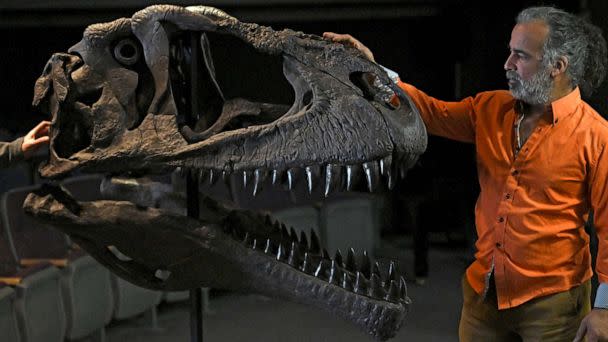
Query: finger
x=40, y=125
x=330, y=35
x=580, y=332
x=41, y=141
x=339, y=38
x=32, y=133
x=43, y=131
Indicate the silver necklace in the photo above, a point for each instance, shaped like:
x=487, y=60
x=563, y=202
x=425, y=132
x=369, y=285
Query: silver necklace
x=517, y=134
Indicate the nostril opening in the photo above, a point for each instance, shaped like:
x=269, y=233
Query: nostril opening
x=75, y=53
x=307, y=98
x=91, y=97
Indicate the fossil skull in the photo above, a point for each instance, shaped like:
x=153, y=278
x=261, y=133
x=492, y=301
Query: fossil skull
x=140, y=95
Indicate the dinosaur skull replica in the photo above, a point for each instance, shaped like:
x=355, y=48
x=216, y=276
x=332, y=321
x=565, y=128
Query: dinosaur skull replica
x=120, y=101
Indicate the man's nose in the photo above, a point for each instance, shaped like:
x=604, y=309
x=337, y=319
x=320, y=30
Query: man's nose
x=509, y=64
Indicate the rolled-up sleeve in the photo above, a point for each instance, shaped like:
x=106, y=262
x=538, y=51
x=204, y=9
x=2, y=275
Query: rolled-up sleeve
x=10, y=152
x=452, y=120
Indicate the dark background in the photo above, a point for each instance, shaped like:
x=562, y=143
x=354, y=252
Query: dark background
x=450, y=49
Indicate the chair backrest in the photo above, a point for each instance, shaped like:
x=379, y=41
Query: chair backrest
x=8, y=254
x=28, y=238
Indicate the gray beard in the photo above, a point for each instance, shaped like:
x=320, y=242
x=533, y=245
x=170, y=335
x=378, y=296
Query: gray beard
x=534, y=91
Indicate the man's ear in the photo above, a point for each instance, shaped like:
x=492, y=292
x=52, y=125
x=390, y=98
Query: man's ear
x=560, y=66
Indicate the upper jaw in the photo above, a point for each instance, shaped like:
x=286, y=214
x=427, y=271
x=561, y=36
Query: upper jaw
x=298, y=139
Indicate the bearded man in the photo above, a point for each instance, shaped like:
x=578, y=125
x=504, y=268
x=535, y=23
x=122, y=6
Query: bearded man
x=542, y=162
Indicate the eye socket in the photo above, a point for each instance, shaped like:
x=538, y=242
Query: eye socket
x=126, y=52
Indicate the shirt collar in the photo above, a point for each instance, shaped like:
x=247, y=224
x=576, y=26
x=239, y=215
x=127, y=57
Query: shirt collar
x=566, y=105
x=560, y=107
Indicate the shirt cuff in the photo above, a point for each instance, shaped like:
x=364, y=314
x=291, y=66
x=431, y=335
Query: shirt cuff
x=15, y=151
x=391, y=74
x=601, y=296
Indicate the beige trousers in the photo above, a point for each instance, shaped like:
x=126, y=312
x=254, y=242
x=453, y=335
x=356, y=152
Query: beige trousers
x=554, y=317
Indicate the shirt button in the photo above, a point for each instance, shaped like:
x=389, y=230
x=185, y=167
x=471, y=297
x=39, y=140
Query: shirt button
x=508, y=196
x=498, y=245
x=501, y=219
x=514, y=172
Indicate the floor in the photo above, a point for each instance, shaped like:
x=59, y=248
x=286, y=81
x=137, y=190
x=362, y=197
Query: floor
x=239, y=317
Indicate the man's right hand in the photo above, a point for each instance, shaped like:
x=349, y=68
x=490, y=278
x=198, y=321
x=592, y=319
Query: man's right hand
x=347, y=39
x=36, y=139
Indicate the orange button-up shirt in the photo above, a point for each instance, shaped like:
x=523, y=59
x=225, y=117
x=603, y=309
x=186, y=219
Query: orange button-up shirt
x=533, y=205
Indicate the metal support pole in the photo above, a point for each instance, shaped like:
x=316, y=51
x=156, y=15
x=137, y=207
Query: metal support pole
x=196, y=308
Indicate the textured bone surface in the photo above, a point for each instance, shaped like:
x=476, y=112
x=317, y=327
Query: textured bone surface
x=142, y=95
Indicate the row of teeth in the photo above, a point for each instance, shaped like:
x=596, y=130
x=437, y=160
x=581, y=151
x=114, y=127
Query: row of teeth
x=336, y=176
x=361, y=278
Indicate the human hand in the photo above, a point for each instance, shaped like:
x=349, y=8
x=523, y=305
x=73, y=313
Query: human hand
x=36, y=138
x=349, y=40
x=594, y=327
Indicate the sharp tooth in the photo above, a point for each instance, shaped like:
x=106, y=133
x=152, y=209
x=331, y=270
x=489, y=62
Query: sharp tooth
x=118, y=254
x=351, y=264
x=201, y=175
x=284, y=233
x=349, y=177
x=294, y=256
x=275, y=176
x=376, y=269
x=347, y=283
x=267, y=220
x=162, y=274
x=375, y=287
x=246, y=239
x=392, y=272
x=268, y=247
x=326, y=254
x=257, y=178
x=293, y=235
x=245, y=179
x=360, y=284
x=254, y=245
x=309, y=179
x=393, y=292
x=315, y=246
x=371, y=172
x=307, y=264
x=211, y=177
x=290, y=178
x=281, y=252
x=386, y=164
x=320, y=270
x=338, y=258
x=276, y=227
x=403, y=168
x=328, y=174
x=334, y=273
x=366, y=265
x=226, y=177
x=390, y=180
x=402, y=289
x=303, y=241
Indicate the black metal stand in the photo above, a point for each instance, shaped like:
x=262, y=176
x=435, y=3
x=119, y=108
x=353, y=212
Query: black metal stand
x=196, y=309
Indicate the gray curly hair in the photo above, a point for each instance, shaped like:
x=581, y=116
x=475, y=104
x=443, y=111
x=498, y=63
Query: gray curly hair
x=579, y=41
